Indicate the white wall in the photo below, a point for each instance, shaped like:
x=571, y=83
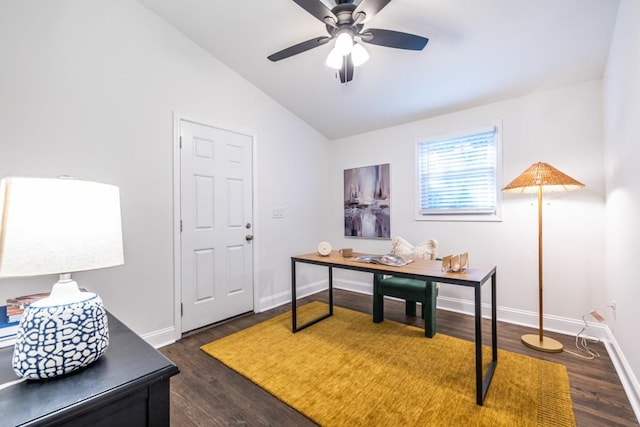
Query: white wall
x=622, y=151
x=561, y=127
x=88, y=89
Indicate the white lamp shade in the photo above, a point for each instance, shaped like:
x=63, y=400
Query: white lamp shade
x=359, y=55
x=334, y=59
x=344, y=43
x=58, y=225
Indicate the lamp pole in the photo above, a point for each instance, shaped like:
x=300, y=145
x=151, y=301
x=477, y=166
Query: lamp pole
x=540, y=342
x=540, y=276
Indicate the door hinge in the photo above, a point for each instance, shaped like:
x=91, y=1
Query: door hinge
x=180, y=141
x=181, y=226
x=181, y=311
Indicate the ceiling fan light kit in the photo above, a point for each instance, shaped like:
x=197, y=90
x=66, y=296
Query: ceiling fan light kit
x=344, y=43
x=359, y=55
x=334, y=59
x=345, y=23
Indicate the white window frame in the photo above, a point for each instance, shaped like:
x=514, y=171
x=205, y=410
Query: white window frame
x=469, y=217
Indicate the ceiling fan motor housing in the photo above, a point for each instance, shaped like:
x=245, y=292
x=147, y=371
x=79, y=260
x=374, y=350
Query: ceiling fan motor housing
x=344, y=12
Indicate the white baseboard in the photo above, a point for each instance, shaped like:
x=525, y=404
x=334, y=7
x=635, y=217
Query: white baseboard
x=354, y=286
x=281, y=298
x=161, y=338
x=627, y=378
x=561, y=325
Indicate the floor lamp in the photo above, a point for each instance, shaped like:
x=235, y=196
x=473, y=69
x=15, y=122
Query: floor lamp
x=541, y=178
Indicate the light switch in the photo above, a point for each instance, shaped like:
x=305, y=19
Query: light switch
x=278, y=213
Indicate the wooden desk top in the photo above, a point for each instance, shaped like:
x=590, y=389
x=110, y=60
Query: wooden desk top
x=423, y=268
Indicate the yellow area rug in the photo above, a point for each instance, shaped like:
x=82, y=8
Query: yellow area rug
x=348, y=371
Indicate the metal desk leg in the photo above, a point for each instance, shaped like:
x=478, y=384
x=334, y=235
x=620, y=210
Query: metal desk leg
x=330, y=291
x=478, y=310
x=294, y=299
x=494, y=319
x=294, y=302
x=482, y=386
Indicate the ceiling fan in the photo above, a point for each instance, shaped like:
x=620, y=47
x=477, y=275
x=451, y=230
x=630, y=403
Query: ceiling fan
x=345, y=23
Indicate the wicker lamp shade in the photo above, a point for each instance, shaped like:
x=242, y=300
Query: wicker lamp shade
x=542, y=175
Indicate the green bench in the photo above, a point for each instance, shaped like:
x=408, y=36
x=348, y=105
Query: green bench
x=412, y=291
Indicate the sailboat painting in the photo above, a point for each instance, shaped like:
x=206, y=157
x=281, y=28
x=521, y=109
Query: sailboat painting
x=367, y=202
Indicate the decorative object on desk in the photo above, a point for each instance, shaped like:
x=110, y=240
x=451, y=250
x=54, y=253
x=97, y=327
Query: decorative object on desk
x=464, y=261
x=387, y=259
x=541, y=178
x=446, y=263
x=425, y=250
x=367, y=202
x=455, y=263
x=324, y=248
x=346, y=252
x=392, y=376
x=59, y=226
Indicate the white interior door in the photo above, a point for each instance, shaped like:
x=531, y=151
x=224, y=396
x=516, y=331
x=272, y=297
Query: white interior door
x=217, y=224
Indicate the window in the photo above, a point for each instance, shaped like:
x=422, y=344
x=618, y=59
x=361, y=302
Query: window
x=458, y=176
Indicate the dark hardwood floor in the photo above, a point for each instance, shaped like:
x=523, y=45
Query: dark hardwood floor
x=206, y=393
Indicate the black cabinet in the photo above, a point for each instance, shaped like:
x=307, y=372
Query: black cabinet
x=128, y=385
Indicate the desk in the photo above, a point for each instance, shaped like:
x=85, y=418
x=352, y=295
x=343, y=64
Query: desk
x=426, y=270
x=128, y=385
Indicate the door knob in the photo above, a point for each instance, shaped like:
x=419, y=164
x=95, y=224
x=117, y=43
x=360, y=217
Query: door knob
x=249, y=237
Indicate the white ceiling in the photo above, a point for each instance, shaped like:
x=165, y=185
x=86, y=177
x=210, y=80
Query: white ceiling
x=479, y=51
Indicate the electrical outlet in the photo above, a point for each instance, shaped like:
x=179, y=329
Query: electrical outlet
x=613, y=308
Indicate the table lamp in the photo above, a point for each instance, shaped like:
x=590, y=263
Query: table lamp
x=59, y=226
x=541, y=178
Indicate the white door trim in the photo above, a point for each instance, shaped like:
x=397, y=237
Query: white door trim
x=177, y=264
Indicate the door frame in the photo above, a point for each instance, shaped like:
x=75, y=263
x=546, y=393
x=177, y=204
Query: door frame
x=177, y=253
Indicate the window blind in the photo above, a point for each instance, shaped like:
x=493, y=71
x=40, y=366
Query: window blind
x=458, y=175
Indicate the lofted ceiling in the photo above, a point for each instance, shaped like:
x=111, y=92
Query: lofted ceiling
x=479, y=51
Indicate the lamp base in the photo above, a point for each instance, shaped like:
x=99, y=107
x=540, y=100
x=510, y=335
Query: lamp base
x=61, y=333
x=548, y=345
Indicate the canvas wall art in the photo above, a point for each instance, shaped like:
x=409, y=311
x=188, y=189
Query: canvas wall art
x=367, y=202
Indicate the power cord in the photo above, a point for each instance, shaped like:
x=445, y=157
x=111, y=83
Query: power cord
x=582, y=340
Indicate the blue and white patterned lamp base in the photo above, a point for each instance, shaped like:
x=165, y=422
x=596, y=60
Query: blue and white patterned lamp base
x=59, y=339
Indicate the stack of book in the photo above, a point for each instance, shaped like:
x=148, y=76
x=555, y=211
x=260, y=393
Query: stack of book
x=11, y=314
x=16, y=306
x=8, y=330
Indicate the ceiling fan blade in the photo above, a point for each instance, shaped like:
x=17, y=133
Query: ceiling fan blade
x=395, y=39
x=369, y=8
x=346, y=72
x=299, y=48
x=319, y=10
